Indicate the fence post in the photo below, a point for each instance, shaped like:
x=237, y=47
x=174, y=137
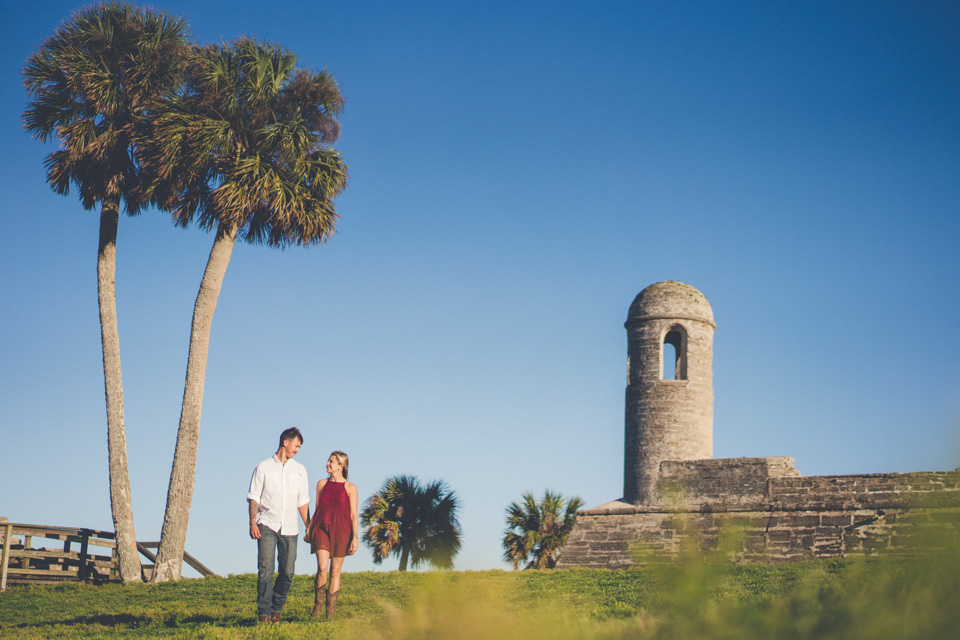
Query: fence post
x=114, y=562
x=84, y=571
x=7, y=534
x=27, y=544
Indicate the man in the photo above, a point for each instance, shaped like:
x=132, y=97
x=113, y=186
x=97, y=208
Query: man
x=278, y=491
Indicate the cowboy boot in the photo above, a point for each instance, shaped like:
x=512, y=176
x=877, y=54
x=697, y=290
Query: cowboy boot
x=317, y=601
x=331, y=603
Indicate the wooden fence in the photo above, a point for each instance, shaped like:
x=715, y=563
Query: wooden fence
x=87, y=555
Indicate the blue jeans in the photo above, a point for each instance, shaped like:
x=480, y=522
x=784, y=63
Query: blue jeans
x=271, y=596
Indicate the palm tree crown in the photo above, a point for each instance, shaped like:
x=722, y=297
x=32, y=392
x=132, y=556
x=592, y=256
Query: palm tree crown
x=93, y=82
x=537, y=529
x=414, y=521
x=244, y=147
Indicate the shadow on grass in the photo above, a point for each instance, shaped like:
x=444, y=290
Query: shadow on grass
x=131, y=621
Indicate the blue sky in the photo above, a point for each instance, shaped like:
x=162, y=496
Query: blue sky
x=519, y=171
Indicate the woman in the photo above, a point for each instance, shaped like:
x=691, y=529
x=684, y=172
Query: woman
x=334, y=530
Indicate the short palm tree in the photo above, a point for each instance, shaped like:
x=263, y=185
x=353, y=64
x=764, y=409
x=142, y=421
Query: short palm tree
x=414, y=521
x=537, y=529
x=93, y=83
x=242, y=150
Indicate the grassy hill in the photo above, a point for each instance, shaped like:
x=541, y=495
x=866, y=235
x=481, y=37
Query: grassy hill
x=693, y=599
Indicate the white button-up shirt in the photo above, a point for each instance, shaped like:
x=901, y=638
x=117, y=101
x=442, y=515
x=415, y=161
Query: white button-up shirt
x=280, y=490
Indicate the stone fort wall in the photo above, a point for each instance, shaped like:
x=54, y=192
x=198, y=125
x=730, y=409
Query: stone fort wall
x=675, y=492
x=779, y=514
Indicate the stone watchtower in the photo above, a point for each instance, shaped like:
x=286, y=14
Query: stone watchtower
x=783, y=515
x=669, y=405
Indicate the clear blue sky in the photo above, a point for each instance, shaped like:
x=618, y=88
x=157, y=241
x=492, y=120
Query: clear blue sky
x=519, y=172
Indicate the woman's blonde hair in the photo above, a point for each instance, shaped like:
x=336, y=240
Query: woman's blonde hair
x=344, y=460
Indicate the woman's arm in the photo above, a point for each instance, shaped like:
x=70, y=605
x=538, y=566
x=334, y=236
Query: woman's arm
x=354, y=521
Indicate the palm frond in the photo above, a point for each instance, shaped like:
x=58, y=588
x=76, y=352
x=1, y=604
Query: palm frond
x=425, y=517
x=239, y=125
x=93, y=82
x=537, y=529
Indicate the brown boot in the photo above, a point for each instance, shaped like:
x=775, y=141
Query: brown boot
x=317, y=603
x=331, y=603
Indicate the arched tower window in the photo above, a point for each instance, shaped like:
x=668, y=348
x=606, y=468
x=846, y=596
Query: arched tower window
x=673, y=354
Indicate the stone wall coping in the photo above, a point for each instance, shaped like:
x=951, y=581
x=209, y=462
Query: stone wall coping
x=898, y=474
x=764, y=508
x=903, y=496
x=776, y=466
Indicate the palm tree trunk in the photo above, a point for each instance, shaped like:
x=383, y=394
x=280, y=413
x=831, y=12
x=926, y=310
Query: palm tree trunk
x=121, y=503
x=404, y=555
x=173, y=536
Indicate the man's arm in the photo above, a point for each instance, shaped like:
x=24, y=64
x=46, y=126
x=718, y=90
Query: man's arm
x=303, y=494
x=253, y=497
x=254, y=529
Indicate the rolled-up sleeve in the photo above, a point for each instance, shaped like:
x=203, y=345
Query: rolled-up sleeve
x=256, y=484
x=304, y=497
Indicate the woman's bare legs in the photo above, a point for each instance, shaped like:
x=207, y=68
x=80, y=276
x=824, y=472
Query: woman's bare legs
x=323, y=561
x=335, y=565
x=334, y=589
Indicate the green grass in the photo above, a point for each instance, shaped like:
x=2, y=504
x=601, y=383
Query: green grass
x=694, y=598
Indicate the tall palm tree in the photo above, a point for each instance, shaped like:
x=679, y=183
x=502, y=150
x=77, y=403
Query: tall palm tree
x=537, y=529
x=414, y=521
x=242, y=150
x=93, y=82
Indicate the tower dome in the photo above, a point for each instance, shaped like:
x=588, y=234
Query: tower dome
x=671, y=299
x=669, y=396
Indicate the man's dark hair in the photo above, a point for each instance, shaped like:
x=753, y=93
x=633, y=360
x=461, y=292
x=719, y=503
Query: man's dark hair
x=290, y=434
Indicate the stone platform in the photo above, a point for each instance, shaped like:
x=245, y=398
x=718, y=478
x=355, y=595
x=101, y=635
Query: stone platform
x=779, y=514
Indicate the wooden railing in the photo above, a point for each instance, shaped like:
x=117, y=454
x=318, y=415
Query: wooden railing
x=144, y=549
x=87, y=555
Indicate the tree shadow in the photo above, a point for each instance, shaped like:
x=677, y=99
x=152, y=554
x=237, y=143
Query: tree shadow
x=132, y=621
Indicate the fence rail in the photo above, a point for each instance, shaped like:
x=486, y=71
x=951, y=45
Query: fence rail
x=144, y=549
x=87, y=555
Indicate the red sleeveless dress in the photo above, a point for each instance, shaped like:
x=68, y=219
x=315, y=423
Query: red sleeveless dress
x=330, y=527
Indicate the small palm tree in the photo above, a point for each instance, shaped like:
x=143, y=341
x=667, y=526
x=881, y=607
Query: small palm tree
x=414, y=521
x=241, y=150
x=93, y=82
x=537, y=529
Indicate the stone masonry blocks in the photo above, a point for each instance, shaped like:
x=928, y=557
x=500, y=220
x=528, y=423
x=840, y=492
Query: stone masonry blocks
x=674, y=491
x=666, y=419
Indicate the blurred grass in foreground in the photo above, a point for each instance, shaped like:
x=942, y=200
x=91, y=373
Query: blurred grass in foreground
x=696, y=597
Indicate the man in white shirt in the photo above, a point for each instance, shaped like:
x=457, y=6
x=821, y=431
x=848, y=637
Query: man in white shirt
x=278, y=493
